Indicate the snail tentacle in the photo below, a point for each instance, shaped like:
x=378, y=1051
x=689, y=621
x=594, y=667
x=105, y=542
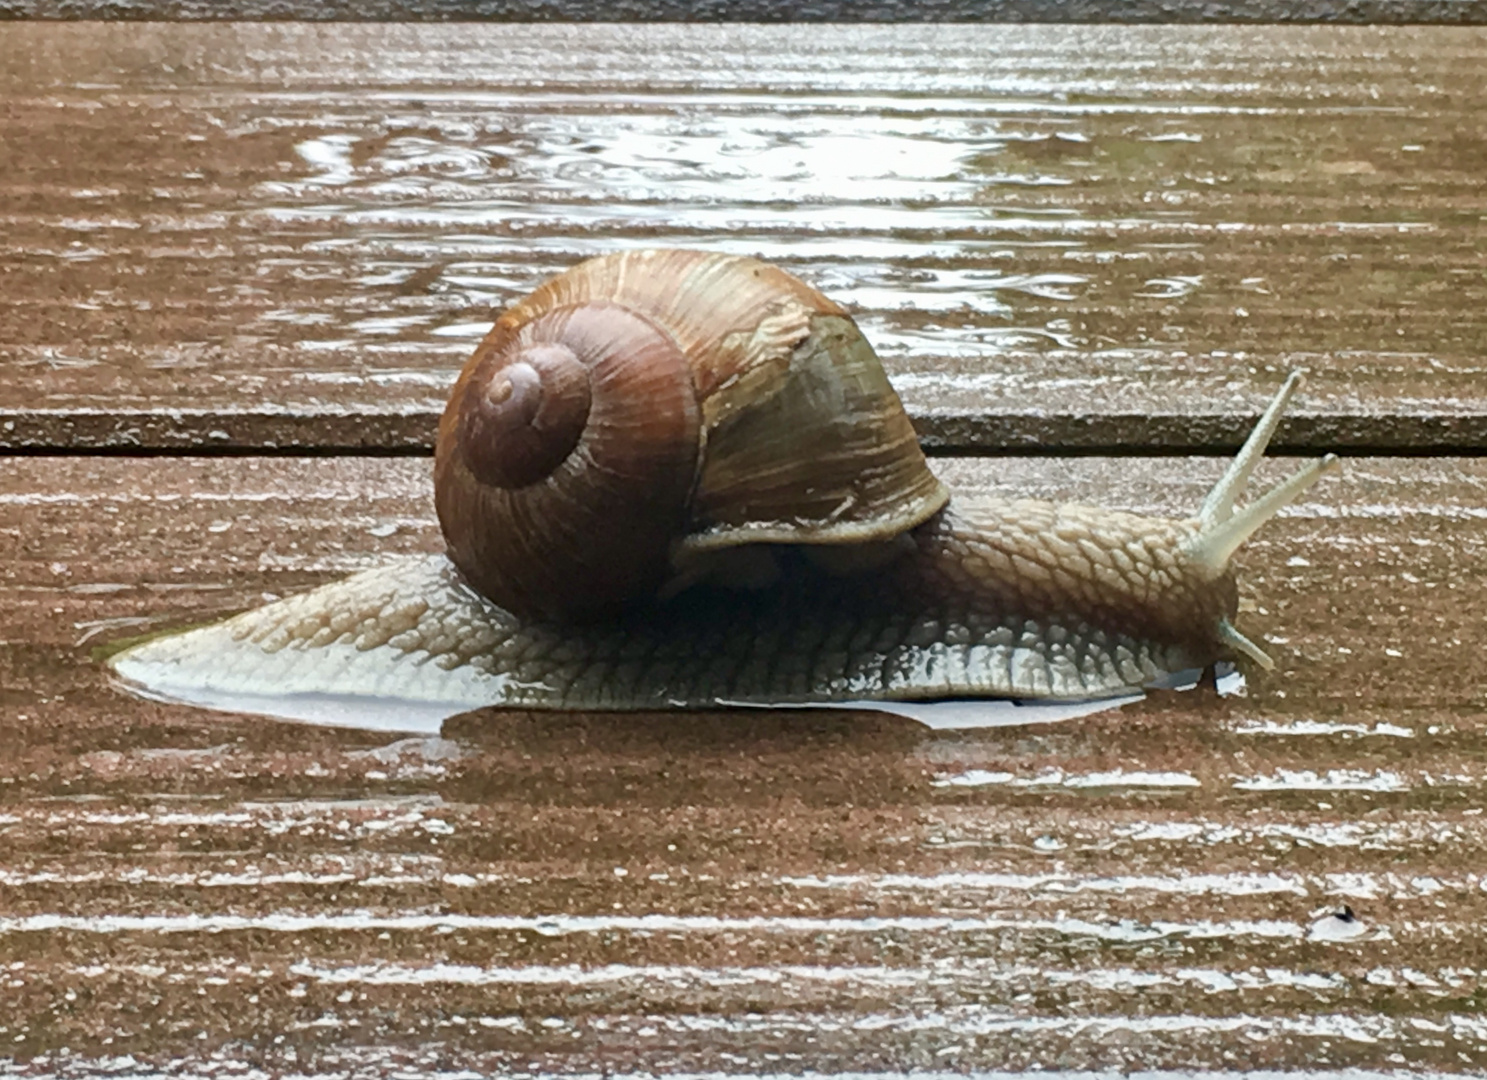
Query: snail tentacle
x=1219, y=506
x=1217, y=543
x=1222, y=529
x=1243, y=645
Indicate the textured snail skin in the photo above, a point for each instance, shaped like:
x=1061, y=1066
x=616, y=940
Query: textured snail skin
x=1021, y=599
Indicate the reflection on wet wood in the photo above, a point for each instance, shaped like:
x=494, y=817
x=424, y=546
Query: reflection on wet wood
x=1450, y=12
x=1059, y=237
x=737, y=891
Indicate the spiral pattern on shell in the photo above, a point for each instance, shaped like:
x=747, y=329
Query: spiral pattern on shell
x=645, y=410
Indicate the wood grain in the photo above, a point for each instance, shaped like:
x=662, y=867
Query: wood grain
x=1345, y=12
x=287, y=237
x=716, y=892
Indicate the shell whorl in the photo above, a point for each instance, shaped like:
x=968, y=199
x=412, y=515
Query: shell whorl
x=646, y=410
x=596, y=439
x=521, y=418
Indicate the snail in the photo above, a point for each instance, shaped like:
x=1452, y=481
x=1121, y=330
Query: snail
x=678, y=479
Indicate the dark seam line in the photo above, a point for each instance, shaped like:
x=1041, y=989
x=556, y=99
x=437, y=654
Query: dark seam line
x=1118, y=450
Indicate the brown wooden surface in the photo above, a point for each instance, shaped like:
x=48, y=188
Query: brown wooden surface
x=255, y=236
x=186, y=893
x=701, y=892
x=1449, y=12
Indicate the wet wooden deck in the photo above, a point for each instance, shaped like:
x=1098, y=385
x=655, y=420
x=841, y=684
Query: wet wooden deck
x=240, y=266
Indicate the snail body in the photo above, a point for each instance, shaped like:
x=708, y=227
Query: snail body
x=679, y=479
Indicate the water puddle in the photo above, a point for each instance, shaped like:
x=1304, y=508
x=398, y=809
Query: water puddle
x=366, y=713
x=412, y=716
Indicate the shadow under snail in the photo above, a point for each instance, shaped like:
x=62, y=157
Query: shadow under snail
x=679, y=479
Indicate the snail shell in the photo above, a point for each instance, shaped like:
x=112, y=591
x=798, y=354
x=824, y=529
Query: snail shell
x=647, y=410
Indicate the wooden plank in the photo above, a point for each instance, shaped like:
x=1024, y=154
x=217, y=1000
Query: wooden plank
x=229, y=237
x=1468, y=12
x=201, y=892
